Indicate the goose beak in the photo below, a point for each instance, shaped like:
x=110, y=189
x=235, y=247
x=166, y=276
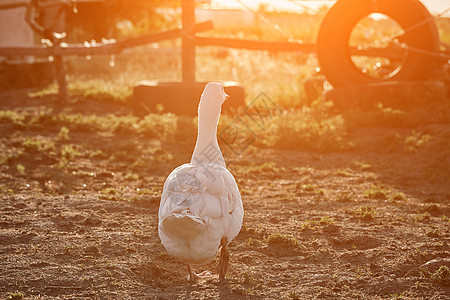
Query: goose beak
x=226, y=96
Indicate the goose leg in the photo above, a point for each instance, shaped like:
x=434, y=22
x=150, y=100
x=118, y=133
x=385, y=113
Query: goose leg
x=194, y=277
x=224, y=260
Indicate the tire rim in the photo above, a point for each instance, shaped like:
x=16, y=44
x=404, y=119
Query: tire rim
x=377, y=32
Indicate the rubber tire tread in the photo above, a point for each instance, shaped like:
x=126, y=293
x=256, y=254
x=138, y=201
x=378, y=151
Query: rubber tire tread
x=336, y=28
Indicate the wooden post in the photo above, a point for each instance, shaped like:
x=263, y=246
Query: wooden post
x=188, y=45
x=61, y=79
x=60, y=73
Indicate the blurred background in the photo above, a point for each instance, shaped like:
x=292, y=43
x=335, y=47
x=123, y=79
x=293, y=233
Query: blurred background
x=287, y=76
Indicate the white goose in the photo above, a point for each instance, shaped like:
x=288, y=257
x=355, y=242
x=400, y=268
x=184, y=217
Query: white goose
x=201, y=207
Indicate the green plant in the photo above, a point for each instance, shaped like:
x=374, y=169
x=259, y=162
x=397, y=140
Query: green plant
x=309, y=130
x=286, y=240
x=111, y=194
x=160, y=126
x=63, y=163
x=15, y=295
x=319, y=193
x=433, y=233
x=363, y=271
x=308, y=225
x=398, y=196
x=248, y=276
x=21, y=169
x=131, y=176
x=251, y=242
x=422, y=253
x=5, y=190
x=110, y=191
x=442, y=275
x=326, y=220
x=95, y=89
x=145, y=191
x=366, y=213
x=344, y=173
x=98, y=154
x=37, y=145
x=423, y=217
x=397, y=296
x=110, y=265
x=308, y=187
x=416, y=141
x=12, y=117
x=69, y=151
x=293, y=295
x=263, y=168
x=363, y=166
x=376, y=191
x=345, y=197
x=63, y=133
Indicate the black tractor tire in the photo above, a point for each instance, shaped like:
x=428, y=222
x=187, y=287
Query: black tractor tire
x=334, y=36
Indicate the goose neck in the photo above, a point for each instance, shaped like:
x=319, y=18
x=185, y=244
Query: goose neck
x=207, y=148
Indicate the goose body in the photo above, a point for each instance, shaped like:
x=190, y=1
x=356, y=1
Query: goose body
x=201, y=208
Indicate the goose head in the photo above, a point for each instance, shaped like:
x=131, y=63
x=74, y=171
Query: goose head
x=211, y=101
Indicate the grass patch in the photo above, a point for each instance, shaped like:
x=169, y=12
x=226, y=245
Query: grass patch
x=251, y=242
x=15, y=295
x=365, y=213
x=309, y=129
x=267, y=167
x=376, y=191
x=327, y=220
x=110, y=194
x=293, y=295
x=344, y=173
x=415, y=141
x=309, y=225
x=131, y=176
x=423, y=217
x=286, y=241
x=363, y=166
x=70, y=151
x=12, y=117
x=345, y=197
x=158, y=126
x=248, y=276
x=94, y=89
x=21, y=169
x=442, y=276
x=6, y=191
x=396, y=296
x=38, y=145
x=399, y=196
x=63, y=134
x=306, y=130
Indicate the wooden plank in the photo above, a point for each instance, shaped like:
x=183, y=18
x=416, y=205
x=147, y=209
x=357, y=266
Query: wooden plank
x=394, y=53
x=103, y=48
x=256, y=45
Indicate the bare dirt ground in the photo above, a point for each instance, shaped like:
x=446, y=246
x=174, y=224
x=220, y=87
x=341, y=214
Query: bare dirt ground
x=369, y=222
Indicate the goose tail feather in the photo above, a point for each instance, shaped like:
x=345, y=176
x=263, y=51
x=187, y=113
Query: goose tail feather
x=185, y=226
